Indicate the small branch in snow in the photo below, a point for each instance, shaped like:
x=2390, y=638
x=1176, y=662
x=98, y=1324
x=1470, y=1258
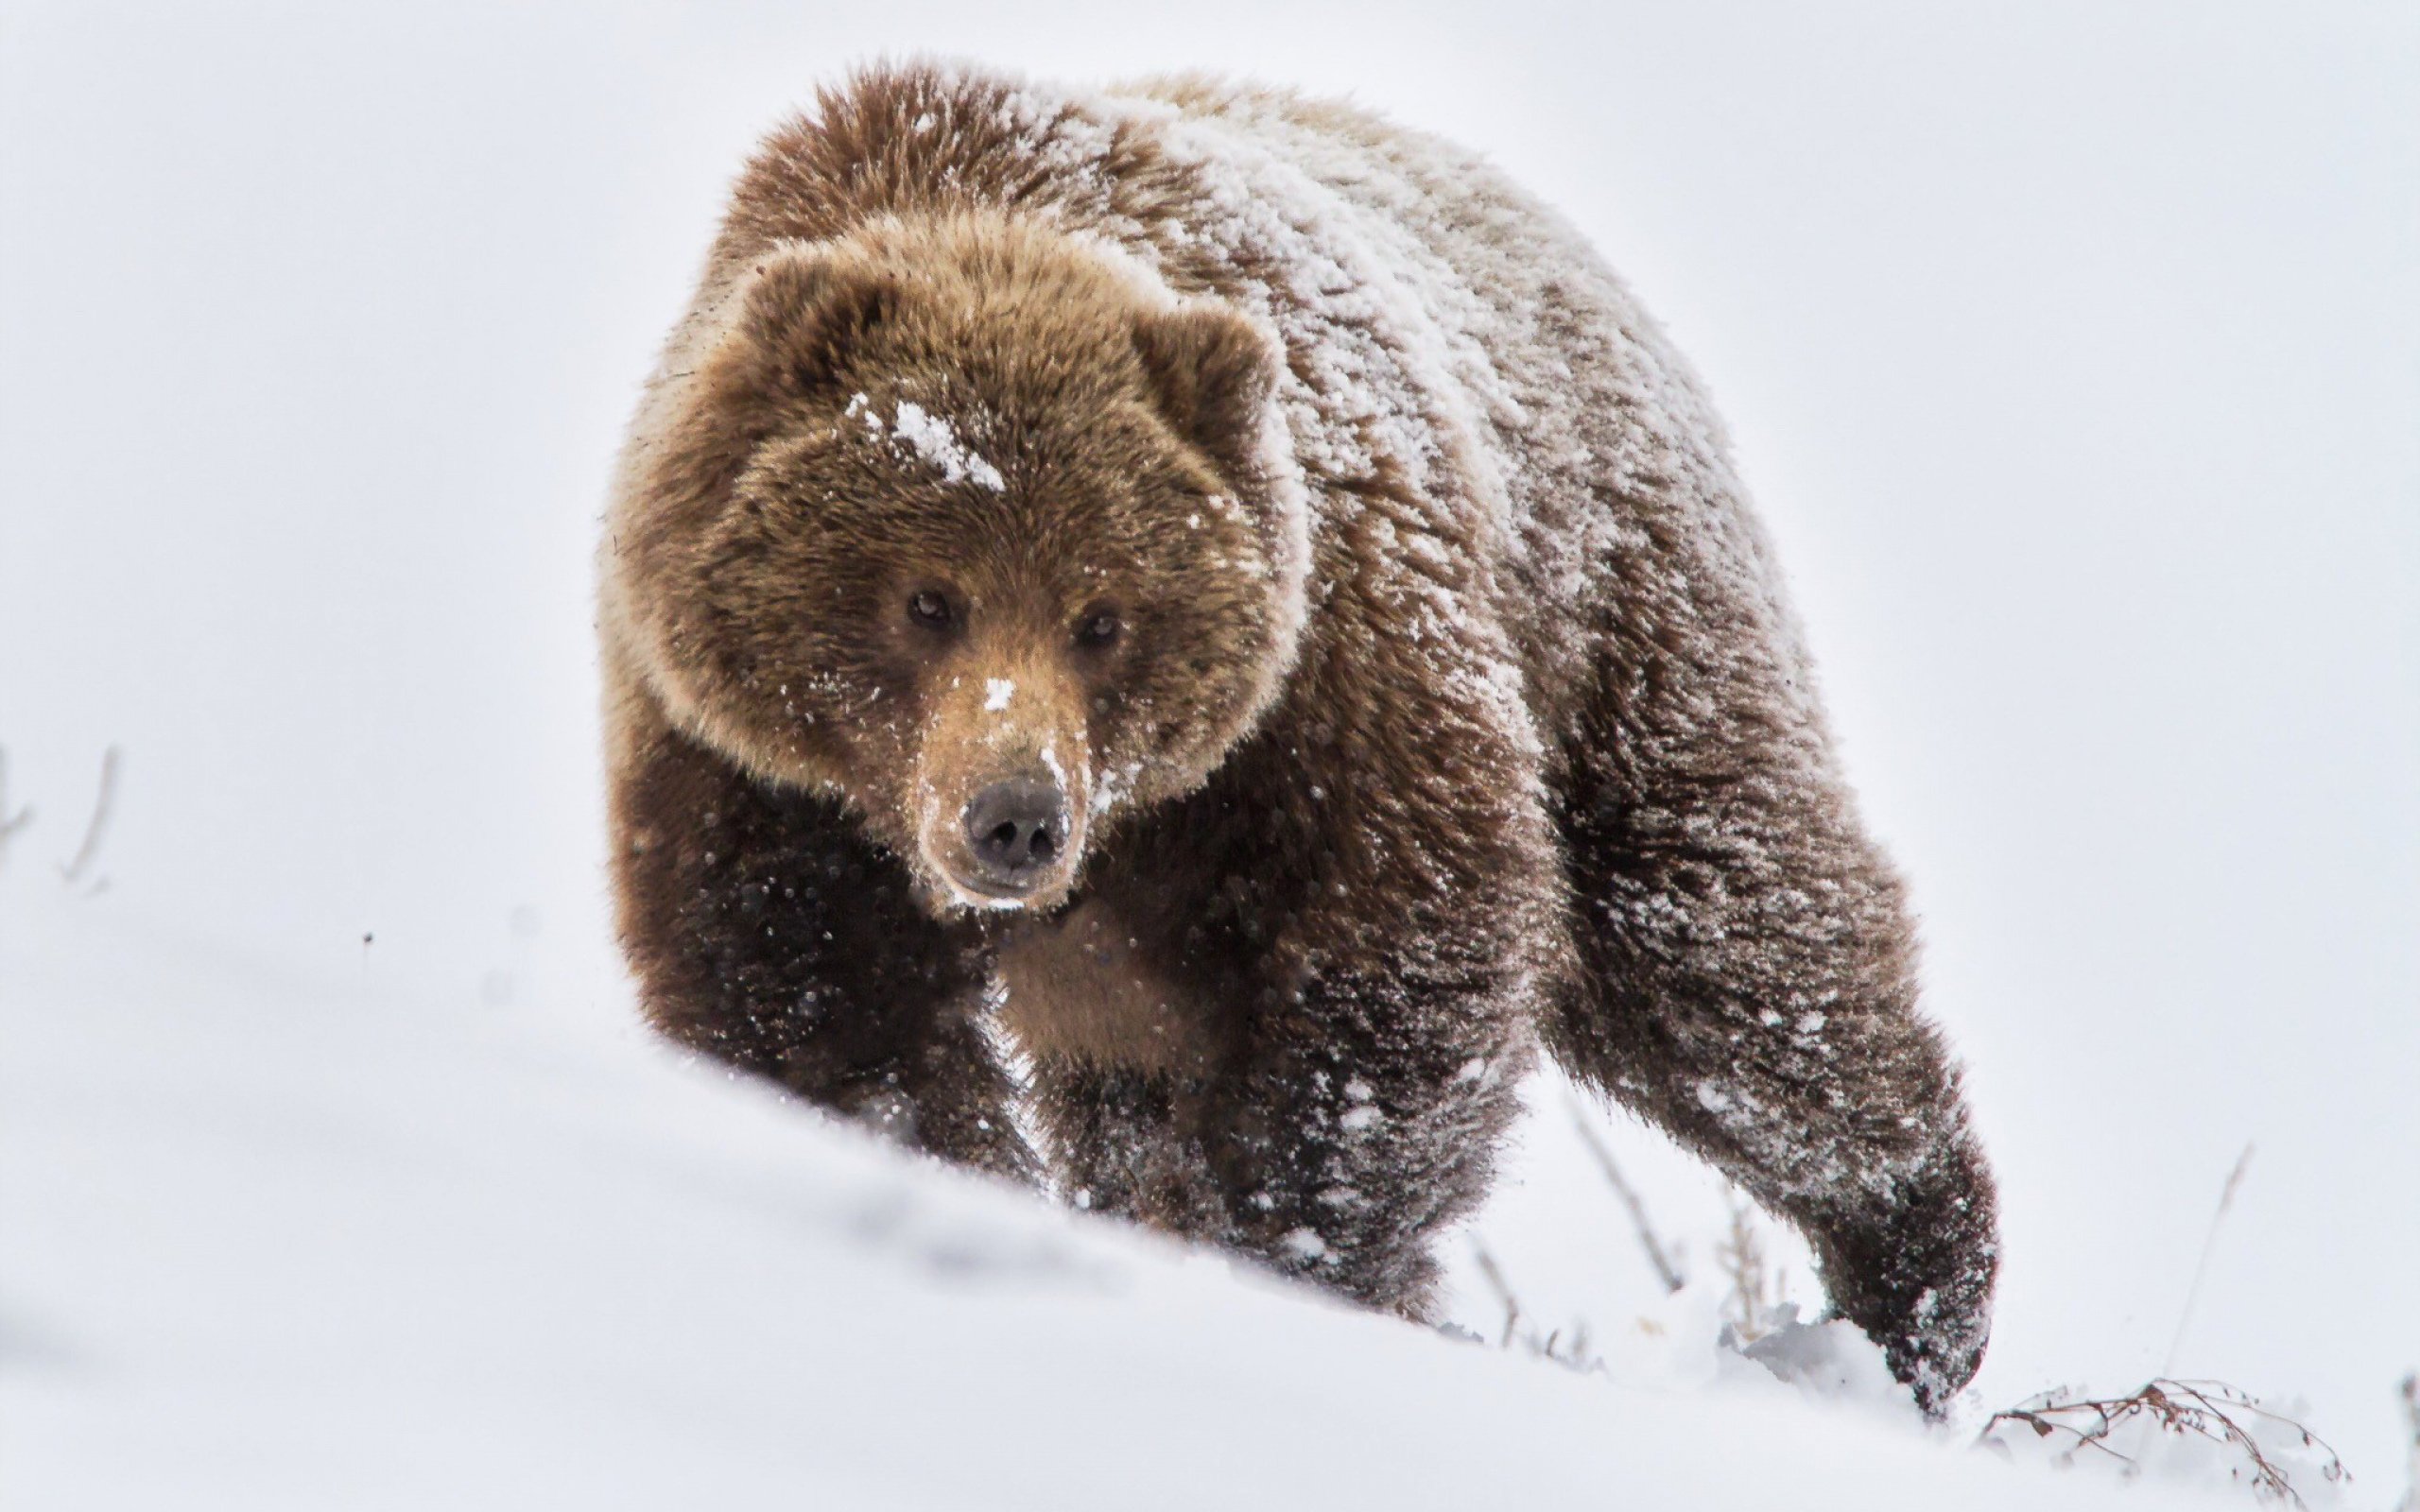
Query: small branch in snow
x=11, y=824
x=1572, y=1353
x=2201, y=1266
x=1657, y=1254
x=2411, y=1502
x=104, y=804
x=2208, y=1410
x=1757, y=1290
x=1493, y=1274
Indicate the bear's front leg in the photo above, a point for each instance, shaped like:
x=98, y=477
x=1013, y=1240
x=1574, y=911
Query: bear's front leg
x=767, y=931
x=1334, y=1141
x=1361, y=939
x=1358, y=1119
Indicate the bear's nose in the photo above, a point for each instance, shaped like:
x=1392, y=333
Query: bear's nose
x=1016, y=829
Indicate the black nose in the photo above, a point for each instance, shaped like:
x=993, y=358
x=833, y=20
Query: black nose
x=1016, y=829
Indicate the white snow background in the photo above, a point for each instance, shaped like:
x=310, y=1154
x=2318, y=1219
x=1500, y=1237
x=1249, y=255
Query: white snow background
x=2073, y=352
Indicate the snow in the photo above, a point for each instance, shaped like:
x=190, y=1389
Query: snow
x=936, y=442
x=932, y=437
x=331, y=1239
x=2070, y=352
x=996, y=694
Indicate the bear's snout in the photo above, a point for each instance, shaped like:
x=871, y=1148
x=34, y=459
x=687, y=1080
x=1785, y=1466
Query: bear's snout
x=1003, y=789
x=1016, y=832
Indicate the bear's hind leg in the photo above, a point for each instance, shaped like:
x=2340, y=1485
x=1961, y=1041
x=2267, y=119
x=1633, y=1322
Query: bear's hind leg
x=1748, y=983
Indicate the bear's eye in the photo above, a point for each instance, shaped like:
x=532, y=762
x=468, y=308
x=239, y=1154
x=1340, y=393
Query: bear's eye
x=1098, y=628
x=931, y=609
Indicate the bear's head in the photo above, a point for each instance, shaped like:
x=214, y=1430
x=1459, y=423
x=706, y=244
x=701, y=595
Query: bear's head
x=973, y=523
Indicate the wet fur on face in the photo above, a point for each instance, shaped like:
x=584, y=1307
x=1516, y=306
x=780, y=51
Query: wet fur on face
x=1005, y=422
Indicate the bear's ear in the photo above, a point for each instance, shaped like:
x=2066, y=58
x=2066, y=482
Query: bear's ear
x=807, y=310
x=1211, y=371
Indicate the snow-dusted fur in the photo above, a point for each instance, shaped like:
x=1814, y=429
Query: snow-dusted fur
x=1501, y=733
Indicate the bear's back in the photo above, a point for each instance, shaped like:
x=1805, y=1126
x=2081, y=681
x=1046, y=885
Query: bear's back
x=1598, y=453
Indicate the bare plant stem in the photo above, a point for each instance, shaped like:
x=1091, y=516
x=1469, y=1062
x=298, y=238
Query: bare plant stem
x=1755, y=1283
x=2202, y=1409
x=103, y=806
x=1493, y=1274
x=11, y=824
x=2201, y=1266
x=2411, y=1502
x=1571, y=1350
x=1657, y=1254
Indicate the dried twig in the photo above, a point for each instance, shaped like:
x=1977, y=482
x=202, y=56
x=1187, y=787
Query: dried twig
x=9, y=823
x=2411, y=1502
x=103, y=806
x=2201, y=1266
x=1493, y=1274
x=1755, y=1282
x=1572, y=1353
x=1657, y=1254
x=2196, y=1409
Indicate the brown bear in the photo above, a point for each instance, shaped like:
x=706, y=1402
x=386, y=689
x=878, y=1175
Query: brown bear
x=1208, y=625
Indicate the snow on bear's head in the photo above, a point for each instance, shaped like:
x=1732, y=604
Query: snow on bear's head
x=971, y=523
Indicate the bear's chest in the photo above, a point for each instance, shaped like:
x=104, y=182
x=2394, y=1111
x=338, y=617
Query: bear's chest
x=1079, y=988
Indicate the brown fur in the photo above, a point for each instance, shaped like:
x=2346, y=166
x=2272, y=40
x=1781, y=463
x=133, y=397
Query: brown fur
x=1077, y=989
x=1454, y=709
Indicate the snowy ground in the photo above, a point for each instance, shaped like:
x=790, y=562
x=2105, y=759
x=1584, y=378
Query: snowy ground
x=294, y=1237
x=2074, y=355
